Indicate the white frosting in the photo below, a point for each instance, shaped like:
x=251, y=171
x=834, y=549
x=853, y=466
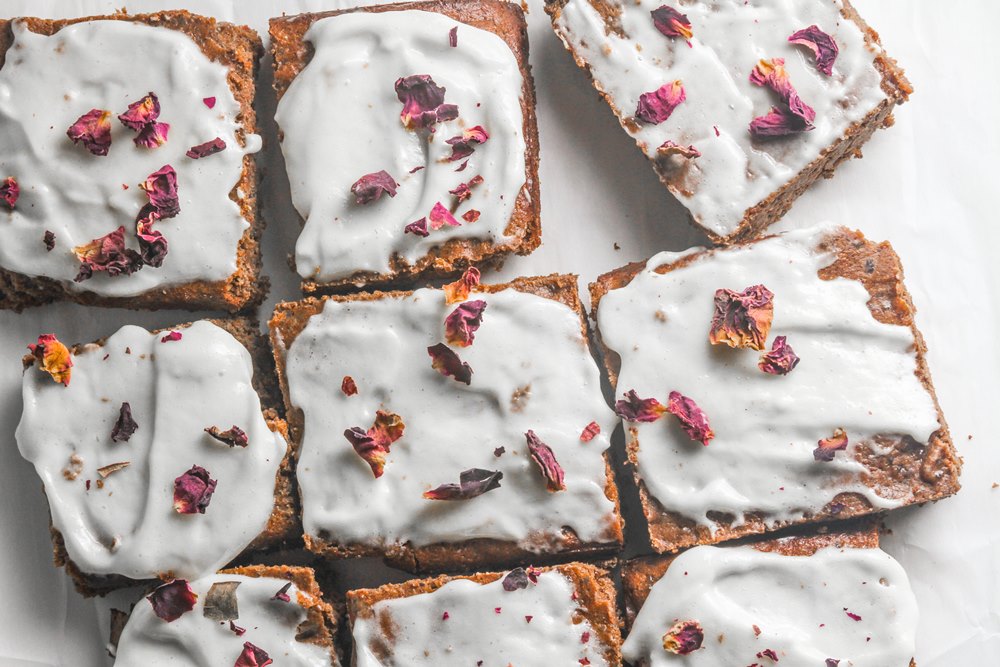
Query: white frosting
x=855, y=373
x=730, y=37
x=340, y=121
x=196, y=641
x=176, y=390
x=49, y=82
x=475, y=633
x=799, y=603
x=450, y=427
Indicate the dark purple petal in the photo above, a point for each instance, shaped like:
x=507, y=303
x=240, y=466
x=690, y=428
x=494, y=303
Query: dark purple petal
x=124, y=426
x=172, y=600
x=193, y=491
x=545, y=459
x=472, y=483
x=371, y=187
x=212, y=147
x=447, y=363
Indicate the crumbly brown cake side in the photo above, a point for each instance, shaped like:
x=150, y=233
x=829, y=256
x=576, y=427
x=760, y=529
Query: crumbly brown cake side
x=929, y=472
x=287, y=323
x=292, y=53
x=239, y=49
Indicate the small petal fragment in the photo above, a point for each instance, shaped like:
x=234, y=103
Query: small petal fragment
x=692, y=418
x=461, y=288
x=464, y=145
x=10, y=191
x=417, y=227
x=234, y=437
x=656, y=107
x=423, y=102
x=472, y=483
x=52, y=357
x=371, y=187
x=252, y=656
x=282, y=594
x=742, y=319
x=209, y=102
x=828, y=447
x=464, y=190
x=193, y=491
x=49, y=239
x=441, y=216
x=461, y=325
x=447, y=363
x=517, y=579
x=823, y=47
x=107, y=253
x=683, y=638
x=348, y=386
x=471, y=215
x=590, y=431
x=671, y=22
x=172, y=600
x=161, y=188
x=212, y=147
x=545, y=459
x=141, y=113
x=171, y=337
x=668, y=148
x=125, y=425
x=453, y=37
x=153, y=135
x=780, y=360
x=373, y=445
x=635, y=409
x=94, y=130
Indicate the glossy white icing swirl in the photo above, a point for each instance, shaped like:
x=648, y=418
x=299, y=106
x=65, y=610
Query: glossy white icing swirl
x=525, y=341
x=855, y=373
x=46, y=83
x=800, y=604
x=340, y=121
x=733, y=173
x=127, y=525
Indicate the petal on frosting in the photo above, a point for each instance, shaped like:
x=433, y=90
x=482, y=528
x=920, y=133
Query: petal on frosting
x=472, y=483
x=635, y=409
x=212, y=147
x=683, y=638
x=517, y=579
x=453, y=37
x=234, y=436
x=471, y=215
x=742, y=319
x=464, y=190
x=252, y=656
x=171, y=337
x=441, y=216
x=10, y=191
x=107, y=253
x=423, y=102
x=794, y=116
x=52, y=357
x=823, y=47
x=671, y=22
x=669, y=147
x=461, y=325
x=125, y=425
x=141, y=113
x=417, y=227
x=780, y=360
x=209, y=102
x=49, y=239
x=373, y=445
x=447, y=363
x=153, y=135
x=152, y=244
x=161, y=188
x=461, y=288
x=282, y=594
x=778, y=122
x=371, y=187
x=590, y=431
x=348, y=386
x=172, y=600
x=692, y=418
x=828, y=447
x=545, y=459
x=656, y=107
x=464, y=145
x=193, y=491
x=94, y=130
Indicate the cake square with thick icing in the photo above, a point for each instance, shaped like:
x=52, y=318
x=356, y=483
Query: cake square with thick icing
x=409, y=137
x=740, y=105
x=156, y=454
x=563, y=615
x=772, y=383
x=446, y=430
x=831, y=598
x=248, y=616
x=126, y=162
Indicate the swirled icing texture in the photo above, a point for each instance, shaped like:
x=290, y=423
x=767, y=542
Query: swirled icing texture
x=340, y=120
x=485, y=625
x=527, y=345
x=734, y=172
x=195, y=641
x=800, y=604
x=127, y=525
x=47, y=83
x=855, y=373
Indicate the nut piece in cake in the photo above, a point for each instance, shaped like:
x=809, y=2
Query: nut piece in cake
x=409, y=136
x=740, y=105
x=801, y=354
x=134, y=190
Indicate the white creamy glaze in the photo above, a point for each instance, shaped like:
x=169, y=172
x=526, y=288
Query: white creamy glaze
x=47, y=83
x=340, y=120
x=730, y=36
x=855, y=373
x=195, y=641
x=176, y=390
x=797, y=602
x=475, y=632
x=450, y=427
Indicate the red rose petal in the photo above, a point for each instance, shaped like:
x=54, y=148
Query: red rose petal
x=417, y=227
x=471, y=215
x=464, y=145
x=171, y=337
x=193, y=491
x=348, y=386
x=794, y=116
x=461, y=288
x=94, y=130
x=742, y=319
x=440, y=216
x=212, y=147
x=656, y=107
x=461, y=325
x=453, y=37
x=635, y=409
x=590, y=431
x=108, y=254
x=141, y=113
x=209, y=102
x=545, y=459
x=423, y=102
x=823, y=46
x=161, y=189
x=683, y=638
x=671, y=22
x=447, y=363
x=373, y=445
x=10, y=191
x=371, y=187
x=172, y=600
x=125, y=425
x=692, y=418
x=472, y=483
x=52, y=357
x=780, y=360
x=827, y=448
x=252, y=656
x=669, y=147
x=234, y=436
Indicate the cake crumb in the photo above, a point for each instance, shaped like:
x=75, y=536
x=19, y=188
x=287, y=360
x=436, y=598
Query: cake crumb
x=75, y=467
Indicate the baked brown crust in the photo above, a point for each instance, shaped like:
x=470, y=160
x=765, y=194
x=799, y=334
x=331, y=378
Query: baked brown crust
x=758, y=217
x=928, y=472
x=239, y=49
x=595, y=596
x=283, y=527
x=290, y=319
x=506, y=20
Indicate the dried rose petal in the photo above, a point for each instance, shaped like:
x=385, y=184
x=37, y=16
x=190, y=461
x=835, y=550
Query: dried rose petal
x=669, y=147
x=161, y=188
x=348, y=386
x=237, y=630
x=418, y=227
x=590, y=431
x=49, y=239
x=693, y=420
x=423, y=102
x=373, y=445
x=453, y=37
x=795, y=116
x=851, y=615
x=462, y=166
x=460, y=289
x=671, y=22
x=823, y=47
x=153, y=135
x=212, y=147
x=471, y=215
x=371, y=187
x=124, y=426
x=517, y=579
x=234, y=437
x=656, y=107
x=447, y=363
x=282, y=594
x=193, y=491
x=635, y=409
x=473, y=482
x=831, y=662
x=10, y=191
x=463, y=191
x=107, y=253
x=768, y=653
x=778, y=122
x=780, y=360
x=683, y=638
x=172, y=337
x=152, y=244
x=141, y=113
x=464, y=145
x=221, y=603
x=545, y=459
x=828, y=447
x=172, y=600
x=209, y=102
x=53, y=357
x=461, y=325
x=94, y=130
x=252, y=656
x=742, y=319
x=441, y=216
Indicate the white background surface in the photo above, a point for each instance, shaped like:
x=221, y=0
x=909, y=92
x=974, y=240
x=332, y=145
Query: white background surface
x=928, y=185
